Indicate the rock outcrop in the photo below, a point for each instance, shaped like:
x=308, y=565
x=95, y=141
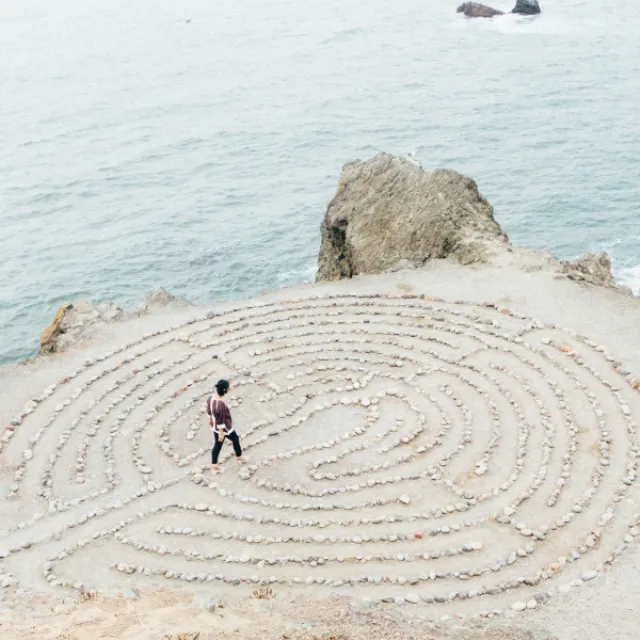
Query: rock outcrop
x=387, y=209
x=594, y=268
x=160, y=299
x=477, y=10
x=389, y=215
x=70, y=322
x=527, y=7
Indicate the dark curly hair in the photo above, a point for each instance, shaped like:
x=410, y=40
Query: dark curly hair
x=222, y=386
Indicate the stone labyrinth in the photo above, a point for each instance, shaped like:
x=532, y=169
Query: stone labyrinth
x=451, y=456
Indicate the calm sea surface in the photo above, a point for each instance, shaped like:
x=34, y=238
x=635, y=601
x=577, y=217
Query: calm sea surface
x=195, y=145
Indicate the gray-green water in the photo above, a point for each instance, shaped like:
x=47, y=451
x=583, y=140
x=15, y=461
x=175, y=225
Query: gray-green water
x=195, y=145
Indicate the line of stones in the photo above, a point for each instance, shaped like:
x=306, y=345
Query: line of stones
x=356, y=308
x=432, y=353
x=97, y=512
x=408, y=380
x=94, y=425
x=314, y=561
x=91, y=432
x=111, y=479
x=522, y=527
x=577, y=507
x=396, y=442
x=311, y=560
x=365, y=402
x=532, y=580
x=354, y=300
x=525, y=530
x=218, y=512
x=31, y=406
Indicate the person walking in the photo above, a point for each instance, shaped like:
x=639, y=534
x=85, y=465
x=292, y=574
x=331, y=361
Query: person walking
x=221, y=425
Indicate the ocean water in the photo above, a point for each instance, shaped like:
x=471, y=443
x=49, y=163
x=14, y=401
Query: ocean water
x=195, y=145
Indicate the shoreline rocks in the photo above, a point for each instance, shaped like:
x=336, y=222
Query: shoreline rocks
x=594, y=268
x=160, y=299
x=478, y=10
x=71, y=322
x=387, y=210
x=388, y=214
x=527, y=7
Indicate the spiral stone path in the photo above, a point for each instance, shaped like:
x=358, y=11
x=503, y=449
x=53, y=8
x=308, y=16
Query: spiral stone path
x=443, y=455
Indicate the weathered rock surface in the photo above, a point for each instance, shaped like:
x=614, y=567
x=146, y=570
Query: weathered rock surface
x=594, y=268
x=70, y=322
x=527, y=7
x=162, y=298
x=477, y=10
x=390, y=215
x=387, y=209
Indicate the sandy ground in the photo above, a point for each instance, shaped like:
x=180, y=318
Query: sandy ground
x=85, y=551
x=167, y=615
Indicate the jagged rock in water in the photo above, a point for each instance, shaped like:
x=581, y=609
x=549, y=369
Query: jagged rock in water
x=70, y=322
x=527, y=7
x=388, y=210
x=477, y=10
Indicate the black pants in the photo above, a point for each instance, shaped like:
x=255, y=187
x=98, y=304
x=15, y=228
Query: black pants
x=235, y=440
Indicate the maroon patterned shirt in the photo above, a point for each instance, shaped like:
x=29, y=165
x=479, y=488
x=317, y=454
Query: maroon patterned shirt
x=221, y=415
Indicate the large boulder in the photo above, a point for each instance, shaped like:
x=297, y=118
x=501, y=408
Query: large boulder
x=388, y=210
x=477, y=10
x=527, y=7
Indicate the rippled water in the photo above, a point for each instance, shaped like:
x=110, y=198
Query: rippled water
x=195, y=145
